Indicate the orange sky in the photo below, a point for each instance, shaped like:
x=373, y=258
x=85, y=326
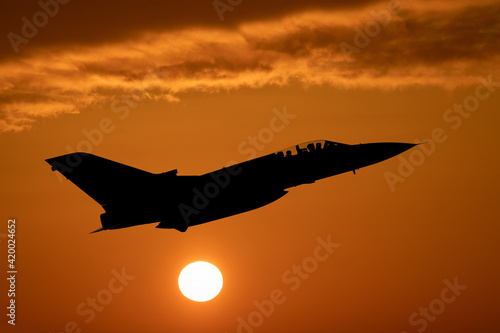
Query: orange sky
x=184, y=90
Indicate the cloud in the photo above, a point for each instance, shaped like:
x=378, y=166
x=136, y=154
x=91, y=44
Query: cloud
x=94, y=22
x=423, y=44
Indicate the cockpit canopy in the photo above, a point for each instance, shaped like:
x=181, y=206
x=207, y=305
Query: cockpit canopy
x=309, y=147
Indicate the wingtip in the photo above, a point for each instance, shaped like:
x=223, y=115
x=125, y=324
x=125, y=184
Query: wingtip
x=50, y=160
x=100, y=229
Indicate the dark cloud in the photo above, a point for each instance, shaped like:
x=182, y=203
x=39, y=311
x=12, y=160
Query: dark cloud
x=448, y=48
x=93, y=22
x=472, y=34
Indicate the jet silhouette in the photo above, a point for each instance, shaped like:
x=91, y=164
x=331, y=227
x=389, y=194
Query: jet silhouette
x=132, y=196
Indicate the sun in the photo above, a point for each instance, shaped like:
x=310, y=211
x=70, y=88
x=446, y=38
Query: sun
x=200, y=281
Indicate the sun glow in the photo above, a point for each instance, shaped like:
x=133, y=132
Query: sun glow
x=200, y=281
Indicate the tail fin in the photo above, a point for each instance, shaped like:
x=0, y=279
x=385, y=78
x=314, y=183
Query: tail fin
x=105, y=181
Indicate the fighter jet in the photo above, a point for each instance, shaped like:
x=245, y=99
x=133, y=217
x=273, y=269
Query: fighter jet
x=133, y=197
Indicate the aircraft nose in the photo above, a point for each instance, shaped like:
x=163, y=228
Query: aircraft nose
x=377, y=152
